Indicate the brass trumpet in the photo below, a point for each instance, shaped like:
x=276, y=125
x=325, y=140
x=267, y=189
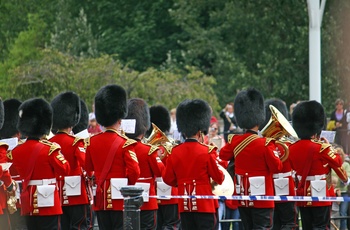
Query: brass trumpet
x=279, y=129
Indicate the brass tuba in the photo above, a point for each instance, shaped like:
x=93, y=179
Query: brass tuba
x=226, y=188
x=280, y=129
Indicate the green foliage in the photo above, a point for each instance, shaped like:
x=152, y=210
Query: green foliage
x=57, y=72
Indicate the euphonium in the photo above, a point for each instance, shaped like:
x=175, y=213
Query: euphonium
x=157, y=137
x=280, y=129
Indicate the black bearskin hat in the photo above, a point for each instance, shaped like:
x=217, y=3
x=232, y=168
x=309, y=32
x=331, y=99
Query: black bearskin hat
x=9, y=129
x=278, y=104
x=84, y=118
x=308, y=119
x=138, y=110
x=2, y=113
x=110, y=105
x=66, y=110
x=193, y=116
x=249, y=108
x=160, y=116
x=35, y=118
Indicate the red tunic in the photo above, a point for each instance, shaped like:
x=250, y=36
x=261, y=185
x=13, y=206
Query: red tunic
x=190, y=167
x=49, y=163
x=4, y=177
x=258, y=158
x=73, y=150
x=125, y=164
x=323, y=160
x=150, y=168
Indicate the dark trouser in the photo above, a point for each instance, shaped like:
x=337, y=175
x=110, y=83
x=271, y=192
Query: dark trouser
x=198, y=220
x=256, y=218
x=168, y=217
x=43, y=222
x=315, y=218
x=74, y=217
x=18, y=222
x=148, y=219
x=108, y=220
x=285, y=216
x=5, y=220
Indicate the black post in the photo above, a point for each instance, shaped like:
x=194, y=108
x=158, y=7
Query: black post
x=132, y=202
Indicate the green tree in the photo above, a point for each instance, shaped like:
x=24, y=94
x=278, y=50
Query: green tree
x=26, y=48
x=72, y=35
x=140, y=32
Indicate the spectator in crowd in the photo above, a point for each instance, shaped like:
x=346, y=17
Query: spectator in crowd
x=338, y=116
x=213, y=136
x=94, y=127
x=228, y=116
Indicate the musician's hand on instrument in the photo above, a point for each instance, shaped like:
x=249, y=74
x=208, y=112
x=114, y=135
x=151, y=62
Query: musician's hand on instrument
x=213, y=184
x=12, y=187
x=324, y=140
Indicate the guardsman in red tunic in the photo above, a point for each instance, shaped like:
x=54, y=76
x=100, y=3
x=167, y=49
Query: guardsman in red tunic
x=256, y=160
x=11, y=134
x=285, y=213
x=6, y=183
x=38, y=162
x=150, y=164
x=191, y=166
x=72, y=188
x=168, y=216
x=111, y=156
x=313, y=159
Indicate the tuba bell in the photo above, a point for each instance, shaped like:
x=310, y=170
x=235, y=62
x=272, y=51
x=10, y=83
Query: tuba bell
x=281, y=130
x=278, y=126
x=226, y=188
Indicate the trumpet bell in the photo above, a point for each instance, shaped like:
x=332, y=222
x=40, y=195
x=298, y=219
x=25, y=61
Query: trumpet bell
x=278, y=126
x=227, y=187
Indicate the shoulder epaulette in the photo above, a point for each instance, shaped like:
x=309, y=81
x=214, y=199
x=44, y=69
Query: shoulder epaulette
x=9, y=155
x=86, y=142
x=129, y=142
x=53, y=146
x=325, y=146
x=168, y=148
x=76, y=140
x=229, y=138
x=210, y=147
x=152, y=149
